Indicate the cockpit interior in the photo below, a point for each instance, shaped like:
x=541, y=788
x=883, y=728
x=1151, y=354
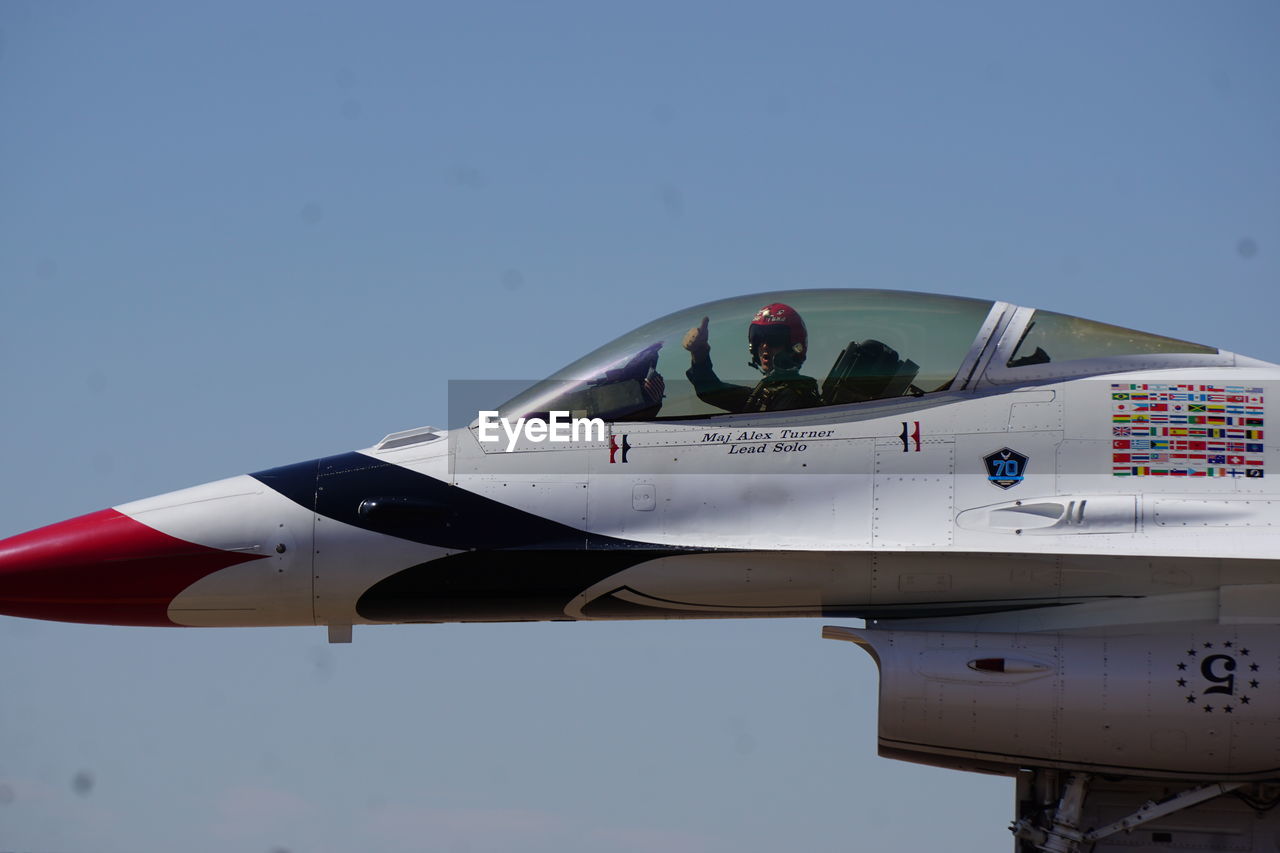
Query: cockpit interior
x=838, y=348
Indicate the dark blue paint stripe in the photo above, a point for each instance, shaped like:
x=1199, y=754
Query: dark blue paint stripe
x=430, y=511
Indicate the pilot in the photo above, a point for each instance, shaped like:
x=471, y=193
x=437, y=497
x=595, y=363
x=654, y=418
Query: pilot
x=778, y=343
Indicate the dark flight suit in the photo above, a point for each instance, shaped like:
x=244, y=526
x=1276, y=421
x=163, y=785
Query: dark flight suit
x=779, y=391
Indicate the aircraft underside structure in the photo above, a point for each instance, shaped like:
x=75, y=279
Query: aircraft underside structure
x=1079, y=813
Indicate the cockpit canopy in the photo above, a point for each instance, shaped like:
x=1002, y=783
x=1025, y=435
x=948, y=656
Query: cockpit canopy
x=849, y=346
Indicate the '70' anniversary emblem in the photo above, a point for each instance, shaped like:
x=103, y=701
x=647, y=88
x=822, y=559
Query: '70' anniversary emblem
x=1005, y=467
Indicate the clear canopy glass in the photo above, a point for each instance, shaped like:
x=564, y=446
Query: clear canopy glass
x=1056, y=338
x=861, y=345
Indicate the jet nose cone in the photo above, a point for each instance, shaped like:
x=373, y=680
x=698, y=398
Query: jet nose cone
x=103, y=568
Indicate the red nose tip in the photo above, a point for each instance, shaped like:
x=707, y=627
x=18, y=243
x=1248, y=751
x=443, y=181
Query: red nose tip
x=103, y=568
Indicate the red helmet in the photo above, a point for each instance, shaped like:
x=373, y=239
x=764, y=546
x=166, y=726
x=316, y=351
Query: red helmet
x=779, y=326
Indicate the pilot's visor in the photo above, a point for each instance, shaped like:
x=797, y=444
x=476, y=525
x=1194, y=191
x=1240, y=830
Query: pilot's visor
x=776, y=335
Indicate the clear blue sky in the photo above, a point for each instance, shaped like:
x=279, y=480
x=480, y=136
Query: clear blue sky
x=238, y=235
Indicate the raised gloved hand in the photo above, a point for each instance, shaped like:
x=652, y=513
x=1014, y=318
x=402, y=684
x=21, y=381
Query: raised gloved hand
x=695, y=341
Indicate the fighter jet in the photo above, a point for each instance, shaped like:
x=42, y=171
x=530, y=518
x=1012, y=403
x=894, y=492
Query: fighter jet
x=1060, y=536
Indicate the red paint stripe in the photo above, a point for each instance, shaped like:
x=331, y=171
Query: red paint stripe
x=102, y=568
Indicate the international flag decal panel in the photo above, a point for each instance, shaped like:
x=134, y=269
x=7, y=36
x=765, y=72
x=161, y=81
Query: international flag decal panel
x=1160, y=430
